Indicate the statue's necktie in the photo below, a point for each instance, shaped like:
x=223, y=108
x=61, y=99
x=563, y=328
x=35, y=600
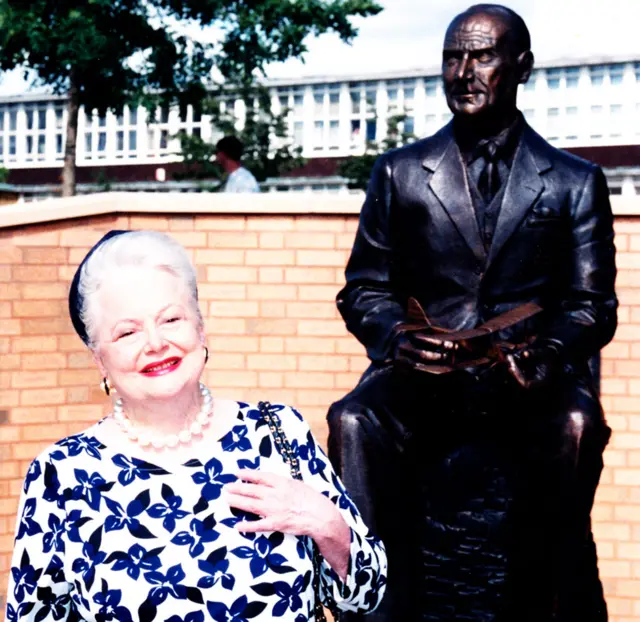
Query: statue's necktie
x=489, y=180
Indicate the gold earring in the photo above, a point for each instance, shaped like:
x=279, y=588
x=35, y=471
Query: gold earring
x=105, y=385
x=206, y=354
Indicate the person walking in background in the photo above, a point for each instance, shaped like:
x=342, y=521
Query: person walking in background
x=229, y=156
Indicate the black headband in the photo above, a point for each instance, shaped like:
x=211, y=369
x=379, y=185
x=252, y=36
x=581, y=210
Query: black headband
x=76, y=301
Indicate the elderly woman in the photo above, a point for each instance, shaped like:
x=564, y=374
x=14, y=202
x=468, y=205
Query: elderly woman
x=179, y=507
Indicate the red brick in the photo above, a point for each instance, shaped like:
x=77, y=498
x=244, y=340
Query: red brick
x=236, y=378
x=29, y=451
x=9, y=470
x=10, y=291
x=34, y=344
x=155, y=223
x=81, y=395
x=270, y=223
x=219, y=257
x=270, y=379
x=272, y=309
x=628, y=588
x=9, y=361
x=10, y=254
x=271, y=345
x=272, y=362
x=181, y=223
x=10, y=433
x=615, y=386
x=318, y=275
x=232, y=274
x=270, y=258
x=52, y=432
x=628, y=514
x=47, y=326
x=9, y=398
x=233, y=344
x=70, y=343
x=33, y=379
x=33, y=414
x=622, y=242
x=220, y=223
x=233, y=308
x=33, y=237
x=611, y=531
x=350, y=345
x=310, y=345
x=46, y=256
x=272, y=292
x=327, y=328
x=614, y=569
x=312, y=310
x=38, y=308
x=5, y=274
x=321, y=258
x=243, y=240
x=51, y=360
x=45, y=291
x=310, y=362
x=226, y=360
x=627, y=477
x=42, y=397
x=344, y=241
x=308, y=380
x=80, y=360
x=616, y=350
x=628, y=296
x=271, y=239
x=271, y=274
x=629, y=369
x=226, y=326
x=321, y=293
x=10, y=327
x=81, y=412
x=222, y=291
x=319, y=223
x=74, y=377
x=310, y=240
x=628, y=261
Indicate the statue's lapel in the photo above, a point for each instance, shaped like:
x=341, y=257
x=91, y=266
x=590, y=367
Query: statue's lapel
x=523, y=188
x=449, y=184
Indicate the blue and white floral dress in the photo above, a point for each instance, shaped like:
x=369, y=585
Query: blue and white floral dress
x=106, y=536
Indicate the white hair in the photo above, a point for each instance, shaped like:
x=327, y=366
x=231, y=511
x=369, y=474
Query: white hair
x=135, y=248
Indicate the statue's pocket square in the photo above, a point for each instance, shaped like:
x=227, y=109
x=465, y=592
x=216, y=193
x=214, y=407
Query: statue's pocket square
x=542, y=215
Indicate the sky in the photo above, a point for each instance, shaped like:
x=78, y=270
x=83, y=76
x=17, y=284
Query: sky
x=408, y=34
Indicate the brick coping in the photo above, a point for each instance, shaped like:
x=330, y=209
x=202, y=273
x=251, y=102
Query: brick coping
x=52, y=210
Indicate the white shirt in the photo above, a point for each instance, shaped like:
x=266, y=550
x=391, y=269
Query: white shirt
x=241, y=180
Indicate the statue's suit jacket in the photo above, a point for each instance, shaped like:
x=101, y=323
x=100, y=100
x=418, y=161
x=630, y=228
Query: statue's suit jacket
x=419, y=237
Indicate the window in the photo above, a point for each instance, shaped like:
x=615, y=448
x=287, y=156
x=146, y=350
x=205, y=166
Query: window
x=355, y=131
x=59, y=112
x=572, y=77
x=431, y=87
x=430, y=122
x=334, y=134
x=298, y=133
x=616, y=74
x=596, y=110
x=615, y=109
x=409, y=125
x=371, y=129
x=334, y=104
x=164, y=139
x=120, y=141
x=13, y=118
x=318, y=134
x=133, y=140
x=553, y=78
x=12, y=145
x=87, y=143
x=102, y=142
x=446, y=117
x=392, y=96
x=59, y=144
x=553, y=112
x=371, y=96
x=355, y=102
x=636, y=68
x=572, y=111
x=298, y=104
x=318, y=103
x=596, y=74
x=133, y=116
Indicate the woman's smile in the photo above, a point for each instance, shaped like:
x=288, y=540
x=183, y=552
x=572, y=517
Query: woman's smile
x=162, y=367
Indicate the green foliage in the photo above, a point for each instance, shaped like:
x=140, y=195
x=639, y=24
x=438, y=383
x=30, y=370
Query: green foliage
x=118, y=51
x=357, y=169
x=268, y=149
x=4, y=175
x=115, y=52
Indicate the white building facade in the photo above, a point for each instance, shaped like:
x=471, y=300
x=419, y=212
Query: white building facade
x=574, y=104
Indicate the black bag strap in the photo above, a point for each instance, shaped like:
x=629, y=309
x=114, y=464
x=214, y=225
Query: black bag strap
x=284, y=449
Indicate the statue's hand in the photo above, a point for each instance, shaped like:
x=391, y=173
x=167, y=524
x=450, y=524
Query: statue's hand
x=416, y=348
x=536, y=365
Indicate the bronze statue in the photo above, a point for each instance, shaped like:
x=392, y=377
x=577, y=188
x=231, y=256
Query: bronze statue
x=475, y=454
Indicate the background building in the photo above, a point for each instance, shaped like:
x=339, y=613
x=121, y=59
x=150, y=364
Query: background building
x=591, y=108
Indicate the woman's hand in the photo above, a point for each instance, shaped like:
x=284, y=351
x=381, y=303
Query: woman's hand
x=293, y=507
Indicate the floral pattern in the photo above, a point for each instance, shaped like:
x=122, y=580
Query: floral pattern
x=104, y=536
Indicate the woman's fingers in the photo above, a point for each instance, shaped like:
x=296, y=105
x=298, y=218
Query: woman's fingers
x=255, y=491
x=261, y=477
x=268, y=523
x=247, y=504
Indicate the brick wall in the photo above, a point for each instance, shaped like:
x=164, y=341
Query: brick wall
x=267, y=285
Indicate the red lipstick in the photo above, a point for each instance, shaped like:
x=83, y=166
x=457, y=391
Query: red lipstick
x=160, y=368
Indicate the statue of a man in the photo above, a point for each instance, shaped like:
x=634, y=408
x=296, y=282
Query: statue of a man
x=480, y=481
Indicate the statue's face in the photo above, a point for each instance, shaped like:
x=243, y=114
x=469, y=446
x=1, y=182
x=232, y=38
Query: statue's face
x=479, y=68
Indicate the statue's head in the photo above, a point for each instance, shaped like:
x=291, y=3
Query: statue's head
x=486, y=54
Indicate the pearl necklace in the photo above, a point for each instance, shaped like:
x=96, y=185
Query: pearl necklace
x=173, y=440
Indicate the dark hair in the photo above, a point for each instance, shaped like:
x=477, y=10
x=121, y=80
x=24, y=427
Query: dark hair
x=231, y=147
x=518, y=33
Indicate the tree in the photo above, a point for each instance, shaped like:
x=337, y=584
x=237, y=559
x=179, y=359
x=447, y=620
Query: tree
x=106, y=53
x=357, y=169
x=269, y=149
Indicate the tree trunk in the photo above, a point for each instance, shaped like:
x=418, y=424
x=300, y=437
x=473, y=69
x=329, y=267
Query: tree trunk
x=69, y=167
